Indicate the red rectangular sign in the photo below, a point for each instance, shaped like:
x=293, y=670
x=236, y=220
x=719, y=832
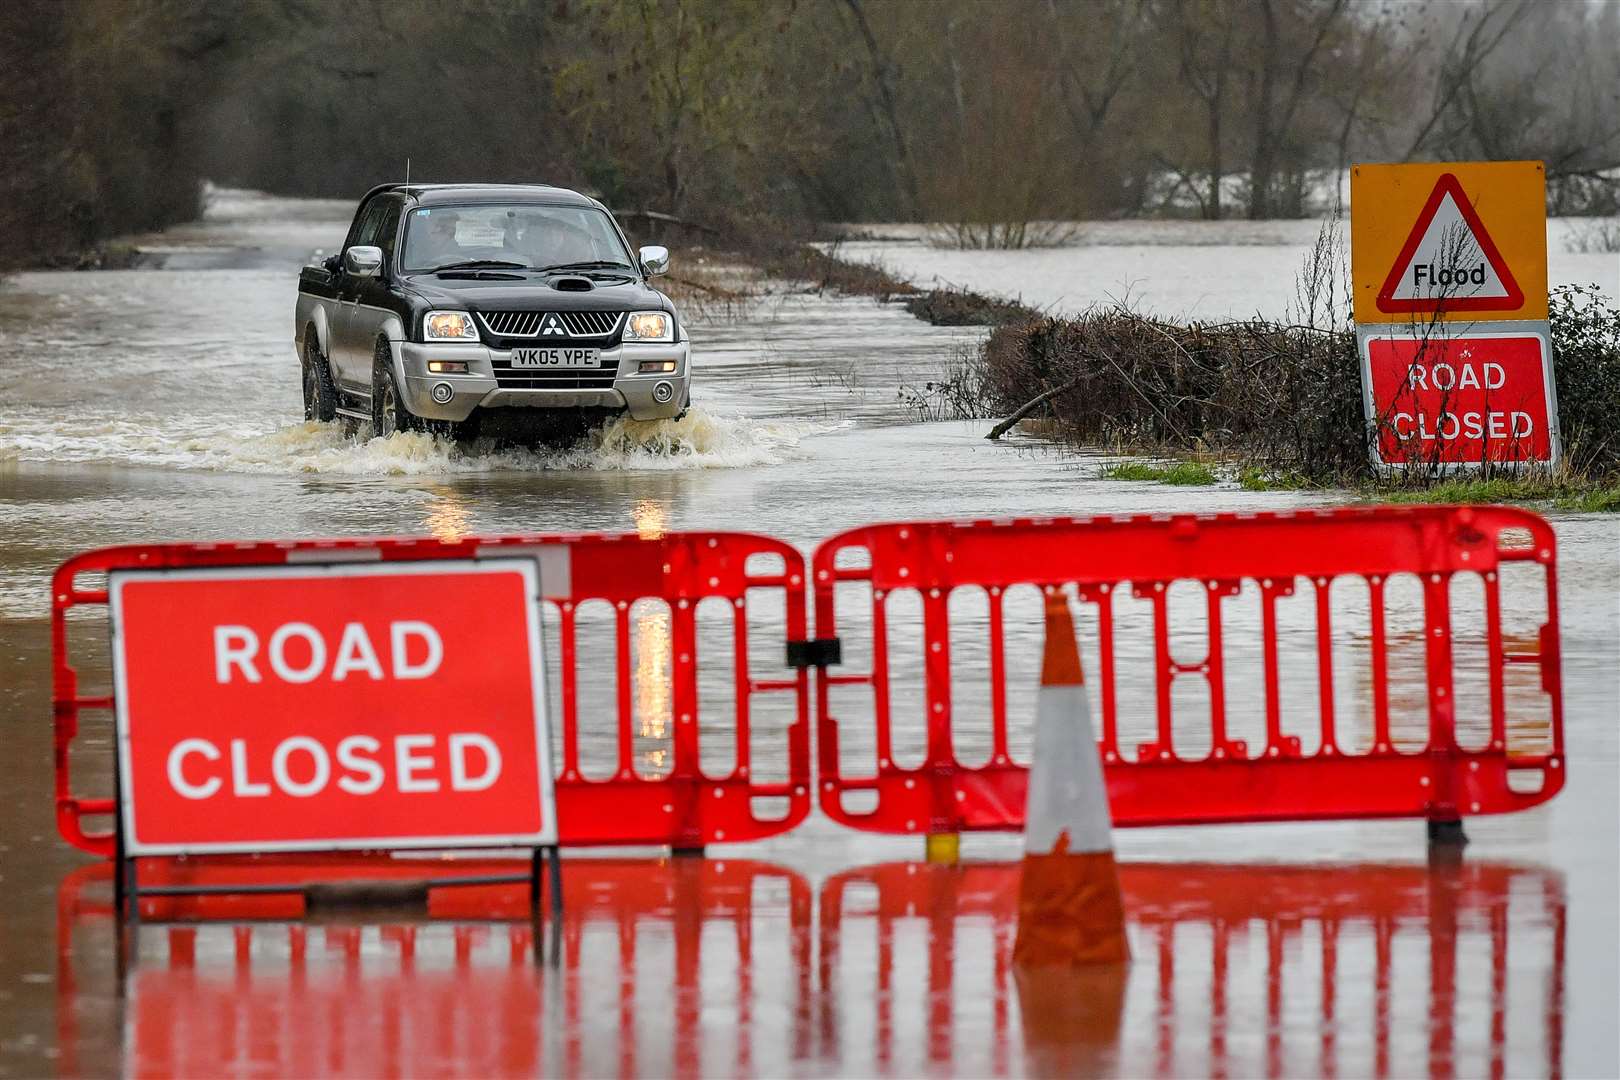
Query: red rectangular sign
x=1461, y=400
x=304, y=708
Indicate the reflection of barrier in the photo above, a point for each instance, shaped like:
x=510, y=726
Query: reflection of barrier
x=686, y=807
x=687, y=966
x=1232, y=961
x=1155, y=782
x=458, y=992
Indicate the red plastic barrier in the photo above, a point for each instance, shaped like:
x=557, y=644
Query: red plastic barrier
x=1401, y=771
x=683, y=807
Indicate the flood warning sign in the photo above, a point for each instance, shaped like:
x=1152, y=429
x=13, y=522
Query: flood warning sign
x=1449, y=261
x=1449, y=241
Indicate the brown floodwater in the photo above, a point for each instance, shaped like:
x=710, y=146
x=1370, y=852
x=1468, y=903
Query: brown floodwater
x=160, y=404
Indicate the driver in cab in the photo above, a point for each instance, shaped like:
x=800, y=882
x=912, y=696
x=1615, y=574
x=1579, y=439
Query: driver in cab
x=544, y=240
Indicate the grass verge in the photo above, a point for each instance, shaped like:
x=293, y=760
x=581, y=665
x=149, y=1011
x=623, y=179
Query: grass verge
x=1180, y=473
x=1563, y=492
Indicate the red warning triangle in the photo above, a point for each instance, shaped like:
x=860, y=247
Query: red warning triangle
x=1449, y=260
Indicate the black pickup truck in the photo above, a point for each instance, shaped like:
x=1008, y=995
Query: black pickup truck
x=452, y=304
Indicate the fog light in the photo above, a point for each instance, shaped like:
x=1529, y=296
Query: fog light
x=447, y=367
x=652, y=367
x=443, y=392
x=663, y=392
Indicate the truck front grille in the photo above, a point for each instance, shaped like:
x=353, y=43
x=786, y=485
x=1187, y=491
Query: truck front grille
x=532, y=379
x=529, y=324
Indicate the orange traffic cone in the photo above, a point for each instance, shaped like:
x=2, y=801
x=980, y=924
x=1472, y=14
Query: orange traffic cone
x=1069, y=909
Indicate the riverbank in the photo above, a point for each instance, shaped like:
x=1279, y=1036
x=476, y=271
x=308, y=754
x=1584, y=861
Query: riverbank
x=1275, y=402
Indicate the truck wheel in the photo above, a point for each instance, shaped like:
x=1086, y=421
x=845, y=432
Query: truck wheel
x=320, y=395
x=389, y=413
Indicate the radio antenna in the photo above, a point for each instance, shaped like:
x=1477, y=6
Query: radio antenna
x=407, y=172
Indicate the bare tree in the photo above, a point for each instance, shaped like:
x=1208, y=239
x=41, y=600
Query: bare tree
x=1273, y=121
x=1204, y=33
x=1477, y=36
x=884, y=109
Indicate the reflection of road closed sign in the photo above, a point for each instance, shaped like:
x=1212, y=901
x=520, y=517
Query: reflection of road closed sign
x=341, y=707
x=1459, y=400
x=1457, y=241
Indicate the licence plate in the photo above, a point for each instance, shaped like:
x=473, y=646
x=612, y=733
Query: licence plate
x=556, y=358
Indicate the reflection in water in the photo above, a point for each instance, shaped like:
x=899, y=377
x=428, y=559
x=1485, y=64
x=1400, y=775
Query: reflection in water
x=650, y=517
x=448, y=518
x=700, y=966
x=653, y=684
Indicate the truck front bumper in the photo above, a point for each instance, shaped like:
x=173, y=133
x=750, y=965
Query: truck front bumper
x=453, y=396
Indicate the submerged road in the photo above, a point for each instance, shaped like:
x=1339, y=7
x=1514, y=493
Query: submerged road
x=162, y=404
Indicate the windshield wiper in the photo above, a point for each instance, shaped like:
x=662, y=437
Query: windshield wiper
x=475, y=264
x=595, y=264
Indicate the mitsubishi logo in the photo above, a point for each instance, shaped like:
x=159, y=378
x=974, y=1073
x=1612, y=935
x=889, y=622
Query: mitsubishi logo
x=552, y=325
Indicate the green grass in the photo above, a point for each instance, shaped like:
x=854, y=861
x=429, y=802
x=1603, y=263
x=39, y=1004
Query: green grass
x=1603, y=500
x=1182, y=473
x=1562, y=492
x=1256, y=479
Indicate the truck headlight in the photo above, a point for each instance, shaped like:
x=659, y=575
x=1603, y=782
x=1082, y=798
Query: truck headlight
x=449, y=326
x=649, y=326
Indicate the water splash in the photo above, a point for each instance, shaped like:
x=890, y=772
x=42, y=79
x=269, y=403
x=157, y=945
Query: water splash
x=699, y=440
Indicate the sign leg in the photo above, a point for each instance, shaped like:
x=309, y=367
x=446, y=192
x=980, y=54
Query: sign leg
x=536, y=885
x=536, y=882
x=556, y=882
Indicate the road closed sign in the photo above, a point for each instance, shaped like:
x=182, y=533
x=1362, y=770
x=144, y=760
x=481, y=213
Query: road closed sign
x=1460, y=400
x=302, y=708
x=1449, y=241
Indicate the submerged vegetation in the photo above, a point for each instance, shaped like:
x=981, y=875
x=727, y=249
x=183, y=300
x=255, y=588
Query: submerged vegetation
x=1178, y=473
x=1279, y=405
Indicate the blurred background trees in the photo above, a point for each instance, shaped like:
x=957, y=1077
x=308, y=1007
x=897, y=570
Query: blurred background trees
x=984, y=117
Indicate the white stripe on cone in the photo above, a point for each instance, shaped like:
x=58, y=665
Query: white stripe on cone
x=1066, y=788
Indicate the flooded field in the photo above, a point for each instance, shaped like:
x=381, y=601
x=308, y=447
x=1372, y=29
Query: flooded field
x=1174, y=269
x=162, y=404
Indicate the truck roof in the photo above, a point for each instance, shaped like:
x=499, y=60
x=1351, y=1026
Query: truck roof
x=441, y=194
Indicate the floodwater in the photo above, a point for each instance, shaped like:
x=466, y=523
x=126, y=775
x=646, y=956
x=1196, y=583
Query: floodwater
x=1180, y=269
x=161, y=404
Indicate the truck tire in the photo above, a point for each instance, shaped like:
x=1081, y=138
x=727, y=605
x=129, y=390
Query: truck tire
x=320, y=394
x=389, y=412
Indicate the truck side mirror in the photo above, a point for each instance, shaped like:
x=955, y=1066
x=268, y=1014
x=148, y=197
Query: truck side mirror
x=655, y=260
x=362, y=261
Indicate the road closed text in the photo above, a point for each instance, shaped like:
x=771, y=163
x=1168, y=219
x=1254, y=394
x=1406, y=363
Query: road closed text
x=1459, y=400
x=308, y=708
x=303, y=766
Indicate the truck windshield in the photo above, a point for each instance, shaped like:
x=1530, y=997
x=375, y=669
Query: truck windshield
x=538, y=237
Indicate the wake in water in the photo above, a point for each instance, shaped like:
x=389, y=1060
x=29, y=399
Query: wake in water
x=699, y=440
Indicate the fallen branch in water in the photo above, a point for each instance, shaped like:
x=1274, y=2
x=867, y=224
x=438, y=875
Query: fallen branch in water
x=1030, y=406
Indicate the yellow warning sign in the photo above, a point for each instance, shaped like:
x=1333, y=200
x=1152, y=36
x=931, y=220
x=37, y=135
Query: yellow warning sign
x=1461, y=241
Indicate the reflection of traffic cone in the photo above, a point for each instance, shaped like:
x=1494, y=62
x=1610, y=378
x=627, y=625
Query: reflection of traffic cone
x=1071, y=1018
x=1069, y=909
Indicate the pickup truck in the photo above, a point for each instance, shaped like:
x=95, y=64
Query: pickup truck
x=453, y=305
